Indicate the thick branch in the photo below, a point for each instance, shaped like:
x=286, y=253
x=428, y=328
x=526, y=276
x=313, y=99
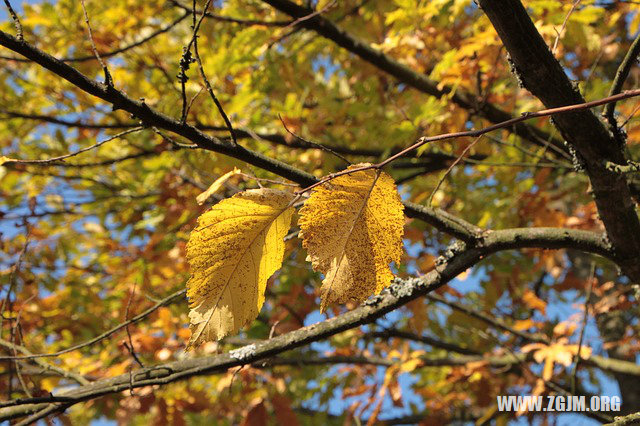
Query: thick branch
x=398, y=294
x=544, y=77
x=630, y=419
x=595, y=146
x=151, y=118
x=406, y=75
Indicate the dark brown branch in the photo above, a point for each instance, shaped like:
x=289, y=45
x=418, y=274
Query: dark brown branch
x=494, y=322
x=400, y=334
x=397, y=295
x=622, y=73
x=15, y=19
x=404, y=74
x=544, y=77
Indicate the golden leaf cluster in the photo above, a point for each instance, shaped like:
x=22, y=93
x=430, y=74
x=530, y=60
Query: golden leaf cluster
x=351, y=227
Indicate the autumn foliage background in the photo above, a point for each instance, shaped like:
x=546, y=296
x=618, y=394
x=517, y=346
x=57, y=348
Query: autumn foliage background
x=99, y=238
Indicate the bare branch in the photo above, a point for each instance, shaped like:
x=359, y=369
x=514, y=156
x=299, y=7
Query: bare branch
x=630, y=59
x=16, y=20
x=206, y=80
x=107, y=76
x=308, y=142
x=398, y=294
x=45, y=366
x=167, y=300
x=73, y=154
x=564, y=25
x=154, y=34
x=406, y=75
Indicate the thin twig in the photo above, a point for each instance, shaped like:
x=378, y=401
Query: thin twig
x=316, y=144
x=446, y=173
x=14, y=333
x=50, y=409
x=73, y=154
x=45, y=366
x=131, y=348
x=173, y=141
x=206, y=80
x=14, y=273
x=16, y=21
x=633, y=113
x=274, y=181
x=114, y=52
x=528, y=152
x=107, y=76
x=186, y=60
x=574, y=373
x=497, y=323
x=564, y=25
x=167, y=300
x=191, y=101
x=618, y=81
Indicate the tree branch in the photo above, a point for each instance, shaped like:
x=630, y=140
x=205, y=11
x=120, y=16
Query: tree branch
x=117, y=51
x=494, y=322
x=166, y=301
x=401, y=334
x=544, y=77
x=406, y=75
x=622, y=73
x=45, y=366
x=151, y=118
x=631, y=419
x=398, y=294
x=72, y=154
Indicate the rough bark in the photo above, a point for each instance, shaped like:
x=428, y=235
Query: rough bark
x=541, y=74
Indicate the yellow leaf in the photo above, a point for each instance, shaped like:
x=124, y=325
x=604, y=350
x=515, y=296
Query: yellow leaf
x=236, y=247
x=4, y=159
x=522, y=325
x=49, y=383
x=534, y=302
x=215, y=186
x=410, y=365
x=352, y=229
